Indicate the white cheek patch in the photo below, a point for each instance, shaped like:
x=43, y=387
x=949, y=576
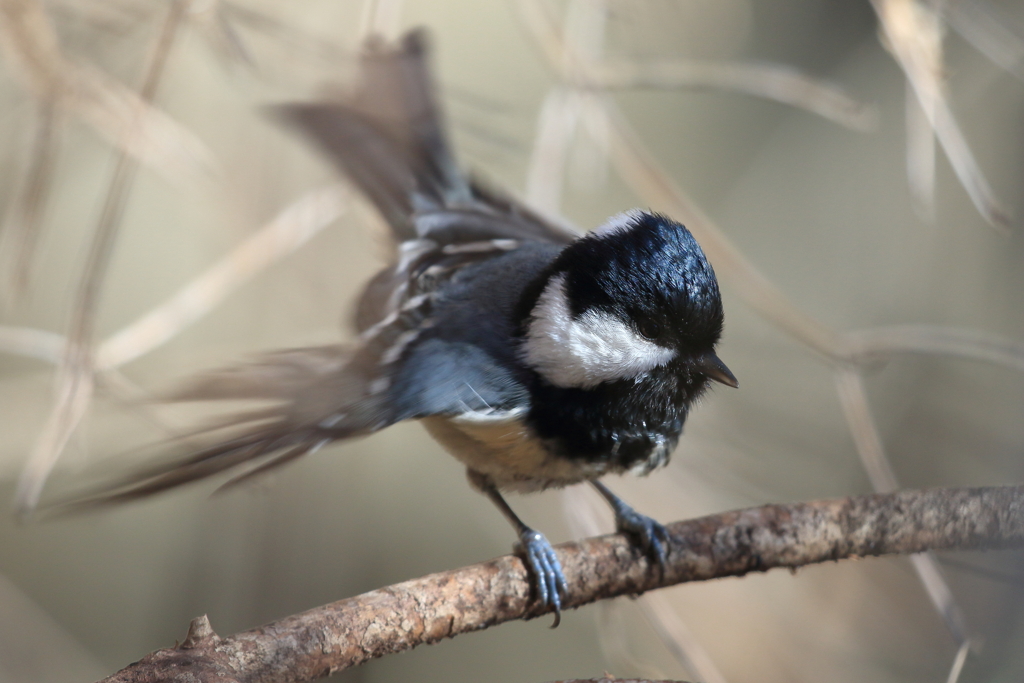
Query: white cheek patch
x=596, y=347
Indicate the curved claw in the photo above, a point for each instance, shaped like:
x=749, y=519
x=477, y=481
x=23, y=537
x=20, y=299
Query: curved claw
x=651, y=535
x=544, y=565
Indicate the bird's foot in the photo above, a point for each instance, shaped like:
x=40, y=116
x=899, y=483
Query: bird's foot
x=650, y=535
x=540, y=558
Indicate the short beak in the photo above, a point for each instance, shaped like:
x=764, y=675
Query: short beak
x=712, y=366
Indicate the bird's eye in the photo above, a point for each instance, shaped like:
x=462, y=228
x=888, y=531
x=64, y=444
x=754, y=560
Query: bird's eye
x=649, y=328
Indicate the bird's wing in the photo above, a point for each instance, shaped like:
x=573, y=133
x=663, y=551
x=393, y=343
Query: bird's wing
x=388, y=137
x=309, y=397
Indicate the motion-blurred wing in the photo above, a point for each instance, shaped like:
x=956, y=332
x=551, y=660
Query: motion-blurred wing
x=388, y=137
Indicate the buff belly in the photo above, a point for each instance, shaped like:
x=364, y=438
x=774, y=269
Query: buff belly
x=504, y=449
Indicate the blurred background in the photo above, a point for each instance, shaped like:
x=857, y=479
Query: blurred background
x=853, y=170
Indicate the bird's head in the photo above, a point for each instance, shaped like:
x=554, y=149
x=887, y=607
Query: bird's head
x=634, y=295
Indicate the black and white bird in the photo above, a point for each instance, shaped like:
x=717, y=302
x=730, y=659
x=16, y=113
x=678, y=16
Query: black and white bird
x=538, y=357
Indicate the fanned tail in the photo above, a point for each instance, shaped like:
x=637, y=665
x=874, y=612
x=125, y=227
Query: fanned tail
x=317, y=395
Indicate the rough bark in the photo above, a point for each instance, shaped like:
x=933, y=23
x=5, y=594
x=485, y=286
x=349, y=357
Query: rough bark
x=342, y=634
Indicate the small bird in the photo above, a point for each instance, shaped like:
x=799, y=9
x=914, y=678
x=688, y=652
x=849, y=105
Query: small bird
x=537, y=356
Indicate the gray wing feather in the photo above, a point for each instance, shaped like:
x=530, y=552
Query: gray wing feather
x=444, y=377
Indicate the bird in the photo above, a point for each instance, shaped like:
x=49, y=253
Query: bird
x=538, y=356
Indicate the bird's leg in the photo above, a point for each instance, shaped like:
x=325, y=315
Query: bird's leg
x=536, y=549
x=653, y=537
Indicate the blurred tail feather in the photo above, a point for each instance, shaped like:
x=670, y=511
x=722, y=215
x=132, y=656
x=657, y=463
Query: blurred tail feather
x=315, y=399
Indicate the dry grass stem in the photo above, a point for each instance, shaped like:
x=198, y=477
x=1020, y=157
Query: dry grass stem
x=31, y=49
x=680, y=641
x=29, y=43
x=74, y=377
x=934, y=581
x=913, y=33
x=856, y=408
x=73, y=394
x=556, y=128
x=32, y=343
x=293, y=40
x=22, y=225
x=288, y=231
x=770, y=81
x=612, y=630
x=871, y=345
x=958, y=662
x=583, y=512
x=214, y=19
x=380, y=17
x=985, y=29
x=132, y=124
x=920, y=158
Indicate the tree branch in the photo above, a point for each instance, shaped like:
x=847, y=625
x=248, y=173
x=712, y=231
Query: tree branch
x=425, y=610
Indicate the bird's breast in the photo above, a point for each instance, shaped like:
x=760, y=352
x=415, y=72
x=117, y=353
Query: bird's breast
x=501, y=446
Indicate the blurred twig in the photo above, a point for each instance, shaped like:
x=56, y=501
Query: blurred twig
x=680, y=640
x=958, y=662
x=854, y=400
x=920, y=157
x=61, y=84
x=343, y=634
x=986, y=29
x=294, y=40
x=74, y=376
x=288, y=231
x=913, y=32
x=22, y=223
x=295, y=225
x=866, y=346
x=380, y=17
x=32, y=52
x=770, y=81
